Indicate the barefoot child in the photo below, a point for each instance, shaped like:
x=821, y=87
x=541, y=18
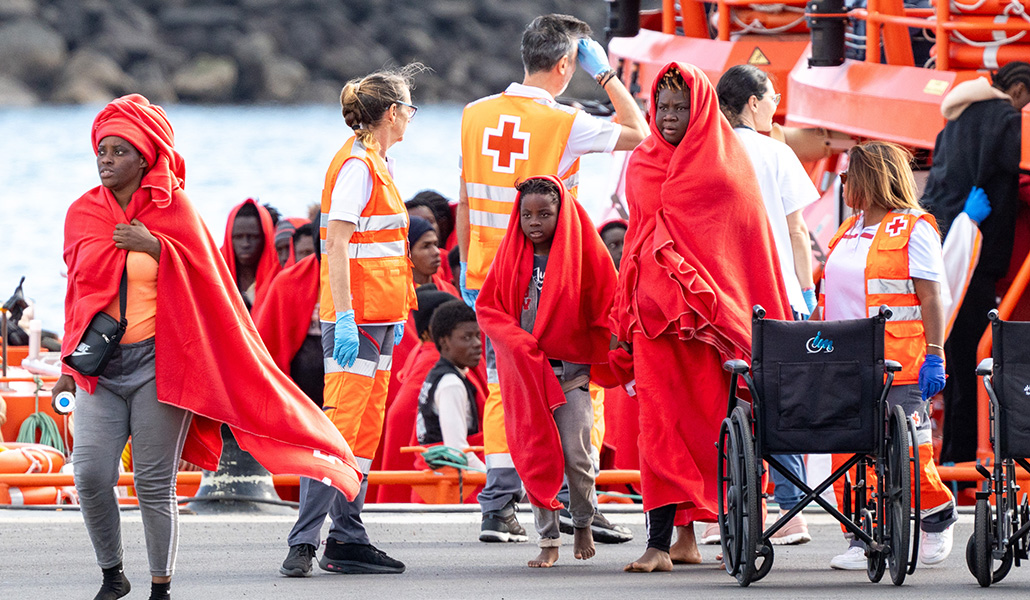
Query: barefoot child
x=549, y=340
x=447, y=410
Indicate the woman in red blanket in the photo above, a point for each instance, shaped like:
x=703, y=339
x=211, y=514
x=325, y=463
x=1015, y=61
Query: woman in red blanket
x=698, y=254
x=249, y=250
x=190, y=358
x=550, y=341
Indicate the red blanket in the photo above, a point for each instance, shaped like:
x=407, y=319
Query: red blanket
x=283, y=319
x=570, y=325
x=268, y=266
x=699, y=231
x=209, y=357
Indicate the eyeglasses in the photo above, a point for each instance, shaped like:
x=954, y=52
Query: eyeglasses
x=776, y=99
x=843, y=177
x=414, y=109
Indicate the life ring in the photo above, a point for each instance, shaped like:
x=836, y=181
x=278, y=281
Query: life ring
x=16, y=457
x=18, y=496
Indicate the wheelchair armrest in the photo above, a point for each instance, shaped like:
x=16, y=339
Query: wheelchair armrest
x=891, y=366
x=736, y=366
x=986, y=367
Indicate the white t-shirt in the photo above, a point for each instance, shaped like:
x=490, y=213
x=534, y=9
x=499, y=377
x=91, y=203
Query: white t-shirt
x=353, y=190
x=589, y=134
x=786, y=188
x=844, y=276
x=452, y=406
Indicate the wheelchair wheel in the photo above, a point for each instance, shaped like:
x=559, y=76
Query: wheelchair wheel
x=982, y=542
x=1000, y=571
x=876, y=562
x=898, y=505
x=739, y=513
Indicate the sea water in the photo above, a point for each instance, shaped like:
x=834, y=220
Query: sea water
x=275, y=154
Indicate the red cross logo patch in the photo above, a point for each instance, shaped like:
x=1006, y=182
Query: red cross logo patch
x=506, y=144
x=896, y=226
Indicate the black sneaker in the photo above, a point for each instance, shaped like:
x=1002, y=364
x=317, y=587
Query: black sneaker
x=298, y=561
x=604, y=531
x=502, y=526
x=357, y=559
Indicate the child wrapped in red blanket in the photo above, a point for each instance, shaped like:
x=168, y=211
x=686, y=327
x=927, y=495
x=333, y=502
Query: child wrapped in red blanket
x=550, y=339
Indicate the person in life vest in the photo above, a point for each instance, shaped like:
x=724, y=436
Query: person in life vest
x=511, y=136
x=249, y=250
x=170, y=385
x=748, y=99
x=365, y=295
x=698, y=255
x=979, y=146
x=889, y=253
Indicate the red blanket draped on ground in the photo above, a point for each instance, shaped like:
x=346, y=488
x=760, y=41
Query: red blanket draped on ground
x=209, y=357
x=284, y=318
x=698, y=255
x=570, y=325
x=268, y=266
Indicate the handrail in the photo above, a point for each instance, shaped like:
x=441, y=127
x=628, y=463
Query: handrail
x=608, y=477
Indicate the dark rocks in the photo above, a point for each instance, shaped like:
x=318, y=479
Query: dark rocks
x=277, y=51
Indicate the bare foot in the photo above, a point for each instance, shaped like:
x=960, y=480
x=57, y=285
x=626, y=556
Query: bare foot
x=583, y=545
x=546, y=559
x=684, y=551
x=652, y=560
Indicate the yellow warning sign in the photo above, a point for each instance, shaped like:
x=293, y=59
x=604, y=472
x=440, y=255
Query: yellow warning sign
x=758, y=57
x=936, y=87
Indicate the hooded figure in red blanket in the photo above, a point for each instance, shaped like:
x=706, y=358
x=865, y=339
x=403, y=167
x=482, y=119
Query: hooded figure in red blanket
x=190, y=358
x=698, y=254
x=249, y=250
x=550, y=339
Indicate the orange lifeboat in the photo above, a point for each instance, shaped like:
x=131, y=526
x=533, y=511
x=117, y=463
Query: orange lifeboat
x=29, y=458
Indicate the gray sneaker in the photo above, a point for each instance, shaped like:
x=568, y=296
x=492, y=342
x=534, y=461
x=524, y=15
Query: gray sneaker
x=298, y=561
x=502, y=526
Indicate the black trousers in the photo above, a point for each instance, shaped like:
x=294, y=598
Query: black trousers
x=960, y=393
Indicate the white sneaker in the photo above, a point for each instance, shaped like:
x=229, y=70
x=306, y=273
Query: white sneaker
x=935, y=547
x=852, y=560
x=711, y=535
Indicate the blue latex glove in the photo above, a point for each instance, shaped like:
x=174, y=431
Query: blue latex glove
x=469, y=296
x=345, y=345
x=977, y=205
x=398, y=333
x=592, y=57
x=810, y=300
x=931, y=376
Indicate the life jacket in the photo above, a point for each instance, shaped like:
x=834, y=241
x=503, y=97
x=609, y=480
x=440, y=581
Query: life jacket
x=380, y=272
x=887, y=282
x=506, y=138
x=428, y=424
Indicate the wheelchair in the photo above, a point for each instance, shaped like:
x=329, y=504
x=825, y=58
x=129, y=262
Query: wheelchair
x=1000, y=529
x=819, y=387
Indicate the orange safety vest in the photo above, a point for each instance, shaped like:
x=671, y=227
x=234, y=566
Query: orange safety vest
x=381, y=286
x=504, y=139
x=887, y=282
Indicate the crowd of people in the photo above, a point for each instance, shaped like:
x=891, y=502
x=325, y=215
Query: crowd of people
x=507, y=318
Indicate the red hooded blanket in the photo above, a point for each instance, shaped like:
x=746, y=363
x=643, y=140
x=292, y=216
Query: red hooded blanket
x=698, y=255
x=268, y=265
x=570, y=325
x=209, y=357
x=283, y=319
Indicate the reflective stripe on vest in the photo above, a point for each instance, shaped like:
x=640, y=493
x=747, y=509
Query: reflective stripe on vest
x=888, y=283
x=380, y=272
x=506, y=138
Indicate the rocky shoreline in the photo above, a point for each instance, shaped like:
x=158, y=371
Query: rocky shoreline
x=263, y=51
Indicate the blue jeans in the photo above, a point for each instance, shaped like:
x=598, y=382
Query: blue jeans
x=786, y=494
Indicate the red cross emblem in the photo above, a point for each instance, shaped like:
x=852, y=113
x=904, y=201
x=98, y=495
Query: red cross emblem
x=896, y=226
x=506, y=144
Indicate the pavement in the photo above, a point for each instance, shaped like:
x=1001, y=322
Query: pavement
x=47, y=555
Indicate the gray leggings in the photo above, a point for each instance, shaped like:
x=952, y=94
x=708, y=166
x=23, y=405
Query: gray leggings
x=125, y=403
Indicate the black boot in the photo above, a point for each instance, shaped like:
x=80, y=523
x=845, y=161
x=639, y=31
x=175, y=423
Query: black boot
x=161, y=591
x=115, y=584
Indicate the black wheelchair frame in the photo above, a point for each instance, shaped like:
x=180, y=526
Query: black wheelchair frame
x=887, y=520
x=1001, y=530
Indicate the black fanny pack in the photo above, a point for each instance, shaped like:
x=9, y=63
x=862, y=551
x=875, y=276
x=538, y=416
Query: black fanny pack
x=101, y=338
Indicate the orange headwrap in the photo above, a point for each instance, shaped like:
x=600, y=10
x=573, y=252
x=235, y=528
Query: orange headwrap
x=145, y=126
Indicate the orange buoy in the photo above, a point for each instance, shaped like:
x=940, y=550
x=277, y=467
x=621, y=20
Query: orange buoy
x=18, y=496
x=759, y=21
x=963, y=56
x=988, y=7
x=16, y=457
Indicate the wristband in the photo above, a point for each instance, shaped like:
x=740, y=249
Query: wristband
x=929, y=345
x=604, y=77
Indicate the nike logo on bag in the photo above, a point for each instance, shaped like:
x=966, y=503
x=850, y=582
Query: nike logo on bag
x=82, y=350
